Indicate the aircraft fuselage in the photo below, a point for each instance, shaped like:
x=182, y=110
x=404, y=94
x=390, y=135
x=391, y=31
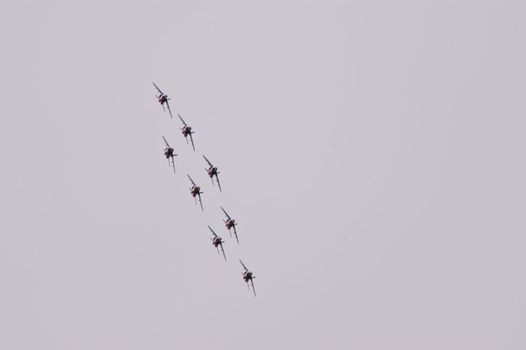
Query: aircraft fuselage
x=230, y=223
x=187, y=130
x=212, y=171
x=169, y=152
x=195, y=190
x=247, y=276
x=216, y=241
x=162, y=99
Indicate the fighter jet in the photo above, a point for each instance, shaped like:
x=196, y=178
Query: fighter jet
x=169, y=153
x=187, y=131
x=212, y=171
x=230, y=223
x=217, y=241
x=195, y=191
x=248, y=277
x=163, y=98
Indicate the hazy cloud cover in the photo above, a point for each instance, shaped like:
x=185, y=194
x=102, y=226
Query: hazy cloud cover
x=371, y=151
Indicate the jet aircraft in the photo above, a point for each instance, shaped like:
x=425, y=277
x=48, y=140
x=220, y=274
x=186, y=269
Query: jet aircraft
x=169, y=153
x=163, y=98
x=248, y=277
x=187, y=131
x=195, y=191
x=230, y=224
x=217, y=242
x=212, y=171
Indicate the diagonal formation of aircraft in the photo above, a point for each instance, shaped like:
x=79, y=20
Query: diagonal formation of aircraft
x=212, y=171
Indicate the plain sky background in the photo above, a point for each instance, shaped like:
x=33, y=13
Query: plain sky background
x=371, y=151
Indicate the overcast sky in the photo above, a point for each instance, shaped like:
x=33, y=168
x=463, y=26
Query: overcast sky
x=371, y=151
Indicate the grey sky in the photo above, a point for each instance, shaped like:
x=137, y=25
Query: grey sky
x=371, y=151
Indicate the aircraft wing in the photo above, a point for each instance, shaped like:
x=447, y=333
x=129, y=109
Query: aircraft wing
x=223, y=251
x=184, y=123
x=212, y=231
x=158, y=89
x=207, y=160
x=243, y=265
x=218, y=183
x=253, y=289
x=192, y=140
x=169, y=110
x=224, y=211
x=192, y=181
x=200, y=201
x=235, y=234
x=166, y=142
